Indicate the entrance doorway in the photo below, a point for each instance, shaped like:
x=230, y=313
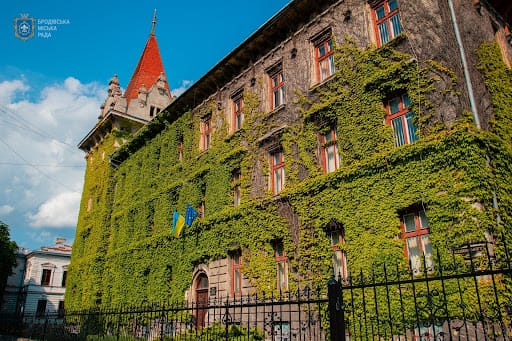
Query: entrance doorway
x=201, y=299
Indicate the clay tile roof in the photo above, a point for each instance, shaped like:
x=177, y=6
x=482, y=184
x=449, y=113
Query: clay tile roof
x=147, y=71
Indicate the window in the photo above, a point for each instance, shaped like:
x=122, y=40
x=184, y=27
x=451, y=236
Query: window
x=324, y=55
x=282, y=266
x=402, y=120
x=277, y=171
x=64, y=277
x=153, y=111
x=46, y=277
x=236, y=274
x=41, y=308
x=180, y=152
x=235, y=184
x=415, y=232
x=387, y=21
x=206, y=131
x=282, y=331
x=201, y=209
x=238, y=111
x=330, y=155
x=277, y=88
x=339, y=257
x=60, y=311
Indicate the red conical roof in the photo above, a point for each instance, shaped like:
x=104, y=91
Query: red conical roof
x=147, y=71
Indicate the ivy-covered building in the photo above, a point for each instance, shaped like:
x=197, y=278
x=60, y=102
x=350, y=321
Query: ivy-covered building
x=340, y=136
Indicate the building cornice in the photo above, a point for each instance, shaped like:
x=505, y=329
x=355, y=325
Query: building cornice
x=103, y=126
x=276, y=30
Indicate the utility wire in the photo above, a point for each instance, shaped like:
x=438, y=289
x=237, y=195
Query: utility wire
x=34, y=166
x=58, y=165
x=24, y=124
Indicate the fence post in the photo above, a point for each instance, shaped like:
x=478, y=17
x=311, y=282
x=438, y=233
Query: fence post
x=336, y=313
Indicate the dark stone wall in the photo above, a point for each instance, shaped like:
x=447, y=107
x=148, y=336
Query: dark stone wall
x=429, y=33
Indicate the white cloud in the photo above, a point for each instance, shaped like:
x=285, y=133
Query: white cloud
x=59, y=211
x=6, y=209
x=42, y=169
x=8, y=90
x=184, y=86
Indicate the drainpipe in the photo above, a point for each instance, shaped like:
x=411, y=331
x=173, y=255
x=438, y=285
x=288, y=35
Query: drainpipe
x=474, y=110
x=464, y=62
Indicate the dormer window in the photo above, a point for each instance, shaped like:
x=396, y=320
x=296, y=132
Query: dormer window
x=153, y=111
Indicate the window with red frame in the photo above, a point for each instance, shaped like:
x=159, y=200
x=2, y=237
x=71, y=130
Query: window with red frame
x=277, y=171
x=387, y=21
x=339, y=258
x=277, y=88
x=235, y=183
x=282, y=266
x=236, y=274
x=206, y=132
x=330, y=155
x=201, y=209
x=46, y=277
x=180, y=152
x=324, y=60
x=238, y=111
x=415, y=232
x=402, y=120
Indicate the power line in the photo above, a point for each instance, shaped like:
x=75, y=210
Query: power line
x=34, y=166
x=26, y=125
x=58, y=165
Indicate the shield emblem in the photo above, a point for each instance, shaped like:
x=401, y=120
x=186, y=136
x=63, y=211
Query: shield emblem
x=24, y=27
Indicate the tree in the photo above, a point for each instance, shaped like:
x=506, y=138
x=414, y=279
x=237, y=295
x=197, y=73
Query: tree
x=7, y=257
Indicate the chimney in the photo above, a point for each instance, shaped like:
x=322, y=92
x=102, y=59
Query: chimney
x=60, y=241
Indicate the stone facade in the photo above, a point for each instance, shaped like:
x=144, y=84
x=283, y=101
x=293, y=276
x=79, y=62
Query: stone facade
x=288, y=42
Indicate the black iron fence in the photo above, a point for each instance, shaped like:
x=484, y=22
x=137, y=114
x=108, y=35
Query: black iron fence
x=465, y=294
x=298, y=316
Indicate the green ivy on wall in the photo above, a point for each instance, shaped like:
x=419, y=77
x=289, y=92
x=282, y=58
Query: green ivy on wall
x=124, y=252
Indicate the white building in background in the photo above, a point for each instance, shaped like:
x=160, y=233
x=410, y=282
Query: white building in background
x=39, y=281
x=11, y=298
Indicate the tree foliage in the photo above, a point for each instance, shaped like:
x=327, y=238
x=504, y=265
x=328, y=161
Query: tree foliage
x=7, y=256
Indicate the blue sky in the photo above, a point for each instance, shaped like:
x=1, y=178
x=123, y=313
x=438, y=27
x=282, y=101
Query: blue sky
x=51, y=89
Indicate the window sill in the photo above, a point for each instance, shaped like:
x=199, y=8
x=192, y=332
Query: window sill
x=395, y=41
x=277, y=109
x=322, y=84
x=235, y=134
x=202, y=152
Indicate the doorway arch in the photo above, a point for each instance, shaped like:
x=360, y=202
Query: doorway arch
x=201, y=294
